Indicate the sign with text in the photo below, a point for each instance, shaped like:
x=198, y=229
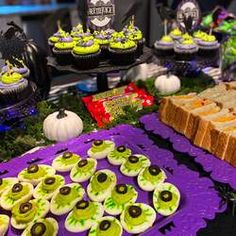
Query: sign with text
x=101, y=13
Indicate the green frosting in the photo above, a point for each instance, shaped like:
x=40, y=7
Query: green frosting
x=62, y=200
x=64, y=45
x=167, y=39
x=209, y=38
x=87, y=213
x=49, y=228
x=176, y=32
x=120, y=198
x=102, y=41
x=100, y=186
x=135, y=221
x=186, y=36
x=16, y=196
x=11, y=78
x=53, y=39
x=188, y=42
x=101, y=148
x=199, y=34
x=23, y=217
x=136, y=36
x=126, y=44
x=51, y=187
x=83, y=50
x=114, y=229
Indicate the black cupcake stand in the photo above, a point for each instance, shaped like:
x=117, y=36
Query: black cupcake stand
x=104, y=68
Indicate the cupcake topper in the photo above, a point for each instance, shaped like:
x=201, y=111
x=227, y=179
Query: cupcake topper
x=59, y=26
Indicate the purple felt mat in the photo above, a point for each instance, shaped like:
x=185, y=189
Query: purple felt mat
x=220, y=170
x=199, y=200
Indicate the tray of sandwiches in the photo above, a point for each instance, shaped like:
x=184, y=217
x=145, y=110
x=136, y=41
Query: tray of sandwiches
x=208, y=122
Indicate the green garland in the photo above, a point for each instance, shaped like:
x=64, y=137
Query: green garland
x=18, y=141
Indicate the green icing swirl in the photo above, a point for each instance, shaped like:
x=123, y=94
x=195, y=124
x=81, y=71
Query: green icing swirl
x=136, y=36
x=11, y=78
x=176, y=32
x=123, y=45
x=167, y=39
x=82, y=50
x=64, y=45
x=102, y=41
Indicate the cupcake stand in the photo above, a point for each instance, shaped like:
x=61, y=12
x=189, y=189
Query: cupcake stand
x=103, y=69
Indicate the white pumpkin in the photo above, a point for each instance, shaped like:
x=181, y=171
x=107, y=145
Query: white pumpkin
x=62, y=125
x=167, y=84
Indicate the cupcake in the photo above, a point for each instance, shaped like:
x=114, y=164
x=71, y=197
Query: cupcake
x=100, y=149
x=103, y=40
x=78, y=34
x=48, y=186
x=106, y=226
x=56, y=36
x=166, y=198
x=65, y=198
x=186, y=36
x=13, y=88
x=150, y=177
x=47, y=226
x=7, y=183
x=86, y=54
x=65, y=162
x=62, y=50
x=26, y=212
x=83, y=170
x=120, y=196
x=208, y=46
x=101, y=184
x=4, y=224
x=199, y=35
x=134, y=164
x=35, y=173
x=186, y=50
x=176, y=34
x=83, y=216
x=119, y=155
x=109, y=31
x=20, y=68
x=19, y=192
x=121, y=47
x=164, y=47
x=137, y=218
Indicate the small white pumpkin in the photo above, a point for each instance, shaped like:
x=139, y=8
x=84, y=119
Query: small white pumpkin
x=167, y=84
x=62, y=125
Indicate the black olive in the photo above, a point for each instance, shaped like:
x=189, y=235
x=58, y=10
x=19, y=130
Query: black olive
x=98, y=142
x=105, y=225
x=121, y=148
x=38, y=229
x=135, y=211
x=133, y=159
x=121, y=188
x=1, y=181
x=65, y=190
x=166, y=196
x=82, y=163
x=67, y=155
x=25, y=207
x=50, y=180
x=154, y=170
x=102, y=177
x=32, y=169
x=17, y=188
x=82, y=204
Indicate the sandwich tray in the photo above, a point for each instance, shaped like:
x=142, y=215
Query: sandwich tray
x=219, y=170
x=199, y=199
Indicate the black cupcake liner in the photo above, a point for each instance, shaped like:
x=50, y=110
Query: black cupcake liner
x=164, y=52
x=185, y=56
x=123, y=57
x=63, y=57
x=208, y=53
x=104, y=52
x=140, y=46
x=88, y=61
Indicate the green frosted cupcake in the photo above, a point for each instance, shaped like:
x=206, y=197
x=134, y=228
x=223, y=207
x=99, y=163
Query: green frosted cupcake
x=52, y=40
x=166, y=198
x=86, y=54
x=119, y=155
x=122, y=48
x=106, y=226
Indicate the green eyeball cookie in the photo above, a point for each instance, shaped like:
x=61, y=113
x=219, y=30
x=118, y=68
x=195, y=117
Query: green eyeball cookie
x=4, y=224
x=83, y=216
x=7, y=183
x=119, y=155
x=65, y=198
x=19, y=192
x=35, y=173
x=42, y=227
x=150, y=177
x=166, y=198
x=121, y=195
x=101, y=184
x=106, y=226
x=26, y=212
x=48, y=186
x=134, y=164
x=100, y=149
x=83, y=170
x=137, y=218
x=65, y=162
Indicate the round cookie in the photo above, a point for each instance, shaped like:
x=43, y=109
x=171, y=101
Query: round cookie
x=65, y=198
x=166, y=199
x=119, y=155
